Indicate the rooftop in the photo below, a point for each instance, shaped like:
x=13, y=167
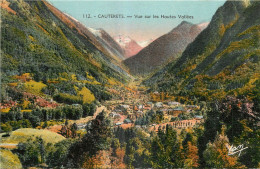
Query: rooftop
x=178, y=109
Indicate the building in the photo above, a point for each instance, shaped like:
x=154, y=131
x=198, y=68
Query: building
x=125, y=106
x=150, y=104
x=140, y=106
x=138, y=126
x=193, y=107
x=118, y=124
x=198, y=117
x=159, y=104
x=139, y=112
x=156, y=92
x=114, y=115
x=174, y=103
x=127, y=121
x=176, y=111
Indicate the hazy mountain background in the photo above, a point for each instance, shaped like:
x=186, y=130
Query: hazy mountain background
x=129, y=45
x=164, y=49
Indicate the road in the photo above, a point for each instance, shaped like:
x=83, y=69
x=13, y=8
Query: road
x=88, y=118
x=99, y=110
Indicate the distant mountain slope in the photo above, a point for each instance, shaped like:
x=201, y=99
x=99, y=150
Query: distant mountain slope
x=99, y=37
x=163, y=49
x=130, y=46
x=39, y=39
x=223, y=59
x=113, y=53
x=109, y=43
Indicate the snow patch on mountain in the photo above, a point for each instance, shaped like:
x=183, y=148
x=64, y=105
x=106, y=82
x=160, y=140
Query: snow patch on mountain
x=130, y=46
x=145, y=43
x=122, y=40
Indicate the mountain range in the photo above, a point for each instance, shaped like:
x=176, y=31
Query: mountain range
x=164, y=49
x=216, y=58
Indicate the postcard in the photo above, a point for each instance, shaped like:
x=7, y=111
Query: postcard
x=130, y=84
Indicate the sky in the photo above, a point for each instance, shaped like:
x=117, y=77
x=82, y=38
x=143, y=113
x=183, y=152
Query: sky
x=140, y=29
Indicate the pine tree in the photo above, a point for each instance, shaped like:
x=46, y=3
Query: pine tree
x=95, y=140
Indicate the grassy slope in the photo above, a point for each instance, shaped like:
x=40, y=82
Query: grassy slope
x=9, y=160
x=21, y=135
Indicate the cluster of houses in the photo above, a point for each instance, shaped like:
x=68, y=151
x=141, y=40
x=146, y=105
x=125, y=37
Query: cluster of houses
x=174, y=108
x=133, y=111
x=135, y=104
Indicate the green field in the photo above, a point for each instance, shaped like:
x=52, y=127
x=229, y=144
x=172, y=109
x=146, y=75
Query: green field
x=9, y=160
x=21, y=135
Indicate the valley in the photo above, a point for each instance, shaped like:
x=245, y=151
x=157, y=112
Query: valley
x=130, y=108
x=73, y=96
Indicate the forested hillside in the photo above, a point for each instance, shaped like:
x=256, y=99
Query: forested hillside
x=221, y=67
x=50, y=62
x=37, y=40
x=223, y=59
